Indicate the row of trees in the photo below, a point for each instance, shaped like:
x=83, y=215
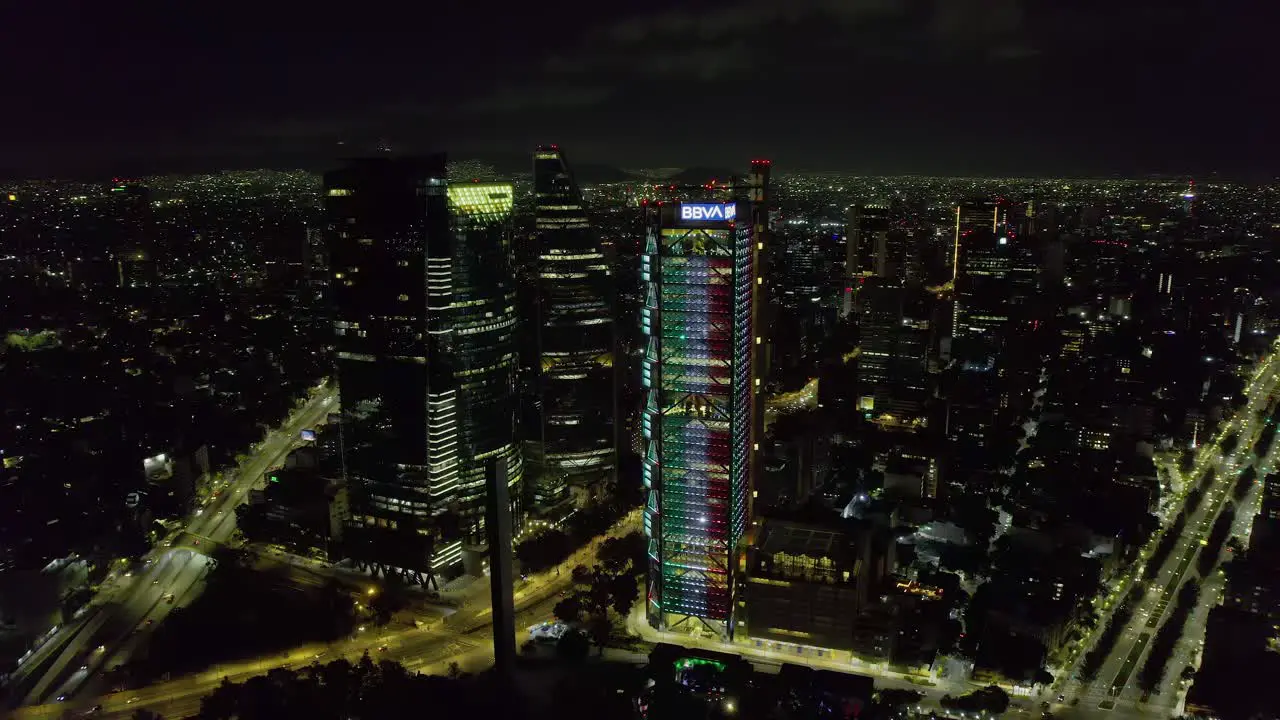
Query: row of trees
x=990, y=699
x=1192, y=503
x=1230, y=443
x=552, y=547
x=1153, y=670
x=341, y=689
x=1167, y=543
x=1206, y=480
x=1093, y=659
x=604, y=594
x=1167, y=637
x=368, y=689
x=1244, y=482
x=376, y=690
x=1268, y=436
x=1217, y=537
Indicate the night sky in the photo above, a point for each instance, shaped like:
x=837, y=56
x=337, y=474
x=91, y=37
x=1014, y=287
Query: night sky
x=877, y=86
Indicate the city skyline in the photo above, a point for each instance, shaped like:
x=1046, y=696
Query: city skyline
x=729, y=359
x=872, y=420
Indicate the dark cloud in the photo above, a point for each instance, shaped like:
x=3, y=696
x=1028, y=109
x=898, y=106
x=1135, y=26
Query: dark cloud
x=554, y=97
x=799, y=44
x=884, y=85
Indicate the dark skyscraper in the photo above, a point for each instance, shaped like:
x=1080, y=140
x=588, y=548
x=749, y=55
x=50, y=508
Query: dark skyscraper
x=866, y=242
x=895, y=323
x=572, y=438
x=423, y=321
x=315, y=266
x=129, y=234
x=983, y=291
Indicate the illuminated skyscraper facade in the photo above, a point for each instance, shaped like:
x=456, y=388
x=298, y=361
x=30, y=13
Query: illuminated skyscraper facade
x=572, y=438
x=701, y=417
x=475, y=289
x=423, y=318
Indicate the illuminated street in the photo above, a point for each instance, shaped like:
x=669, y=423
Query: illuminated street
x=806, y=398
x=1122, y=665
x=1116, y=688
x=464, y=638
x=126, y=610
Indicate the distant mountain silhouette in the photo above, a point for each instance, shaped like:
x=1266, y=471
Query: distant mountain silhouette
x=319, y=159
x=513, y=164
x=507, y=164
x=702, y=175
x=593, y=173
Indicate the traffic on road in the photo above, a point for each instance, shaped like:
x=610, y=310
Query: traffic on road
x=69, y=662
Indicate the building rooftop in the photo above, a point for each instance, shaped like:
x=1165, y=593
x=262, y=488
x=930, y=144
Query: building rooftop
x=795, y=539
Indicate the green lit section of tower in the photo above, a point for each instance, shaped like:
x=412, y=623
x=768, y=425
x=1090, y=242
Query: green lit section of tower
x=700, y=374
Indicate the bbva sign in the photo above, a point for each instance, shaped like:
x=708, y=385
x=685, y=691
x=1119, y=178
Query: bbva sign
x=708, y=212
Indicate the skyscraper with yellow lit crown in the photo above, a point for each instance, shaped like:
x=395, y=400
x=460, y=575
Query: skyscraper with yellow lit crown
x=425, y=353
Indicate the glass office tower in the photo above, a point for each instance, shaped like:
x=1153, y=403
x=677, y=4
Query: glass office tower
x=573, y=434
x=421, y=286
x=700, y=425
x=983, y=259
x=475, y=287
x=895, y=322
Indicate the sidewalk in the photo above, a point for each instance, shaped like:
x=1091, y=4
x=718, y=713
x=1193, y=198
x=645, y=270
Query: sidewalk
x=768, y=651
x=465, y=590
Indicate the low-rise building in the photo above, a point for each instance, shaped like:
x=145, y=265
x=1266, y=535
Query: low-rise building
x=807, y=584
x=299, y=509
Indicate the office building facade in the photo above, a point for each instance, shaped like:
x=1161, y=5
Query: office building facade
x=571, y=438
x=423, y=317
x=895, y=323
x=983, y=262
x=480, y=301
x=810, y=583
x=700, y=422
